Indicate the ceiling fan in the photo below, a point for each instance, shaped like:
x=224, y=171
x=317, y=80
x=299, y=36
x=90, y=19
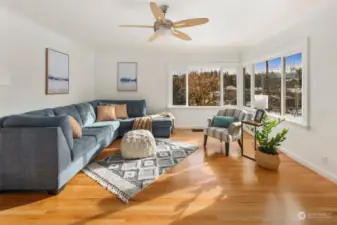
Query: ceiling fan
x=163, y=26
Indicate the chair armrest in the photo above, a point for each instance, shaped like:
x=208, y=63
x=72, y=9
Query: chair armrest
x=235, y=129
x=32, y=158
x=209, y=121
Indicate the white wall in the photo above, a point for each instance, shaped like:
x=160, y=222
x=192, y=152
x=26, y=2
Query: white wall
x=309, y=145
x=22, y=55
x=153, y=81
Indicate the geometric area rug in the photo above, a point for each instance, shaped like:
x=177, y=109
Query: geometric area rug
x=125, y=178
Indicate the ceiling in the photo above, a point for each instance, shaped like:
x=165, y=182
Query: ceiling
x=233, y=23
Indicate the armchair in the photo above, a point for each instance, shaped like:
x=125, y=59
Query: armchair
x=233, y=133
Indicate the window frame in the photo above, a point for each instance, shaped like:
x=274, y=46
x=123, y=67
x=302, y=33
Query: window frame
x=243, y=90
x=302, y=48
x=186, y=69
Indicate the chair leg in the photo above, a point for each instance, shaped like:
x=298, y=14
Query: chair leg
x=205, y=139
x=227, y=148
x=240, y=143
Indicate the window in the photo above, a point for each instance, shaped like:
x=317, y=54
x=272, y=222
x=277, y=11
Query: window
x=281, y=79
x=204, y=87
x=293, y=64
x=246, y=88
x=210, y=86
x=268, y=82
x=179, y=89
x=260, y=73
x=229, y=87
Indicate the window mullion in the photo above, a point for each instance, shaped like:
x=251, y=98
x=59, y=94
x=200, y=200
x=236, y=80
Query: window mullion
x=221, y=88
x=252, y=86
x=283, y=86
x=187, y=74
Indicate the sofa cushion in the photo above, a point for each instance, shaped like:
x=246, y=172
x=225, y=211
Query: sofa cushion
x=102, y=134
x=42, y=112
x=69, y=110
x=135, y=108
x=94, y=105
x=162, y=122
x=82, y=146
x=86, y=112
x=113, y=124
x=42, y=121
x=125, y=125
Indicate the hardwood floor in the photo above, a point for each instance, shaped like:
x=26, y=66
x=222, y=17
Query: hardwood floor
x=206, y=188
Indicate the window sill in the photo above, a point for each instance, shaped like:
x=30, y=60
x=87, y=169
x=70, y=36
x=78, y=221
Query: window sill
x=289, y=119
x=199, y=107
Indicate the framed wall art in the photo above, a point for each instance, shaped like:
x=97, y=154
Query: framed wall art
x=127, y=76
x=57, y=72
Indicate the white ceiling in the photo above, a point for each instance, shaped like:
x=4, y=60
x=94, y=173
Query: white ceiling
x=233, y=23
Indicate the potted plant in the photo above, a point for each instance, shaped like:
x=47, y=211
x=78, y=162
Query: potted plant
x=267, y=155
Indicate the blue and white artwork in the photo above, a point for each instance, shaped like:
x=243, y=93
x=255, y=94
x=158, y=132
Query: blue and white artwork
x=127, y=76
x=57, y=72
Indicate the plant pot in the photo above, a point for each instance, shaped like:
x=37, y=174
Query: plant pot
x=270, y=162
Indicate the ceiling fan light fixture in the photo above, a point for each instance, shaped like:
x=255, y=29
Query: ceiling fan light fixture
x=164, y=27
x=162, y=31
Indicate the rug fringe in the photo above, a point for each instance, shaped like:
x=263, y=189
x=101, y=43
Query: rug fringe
x=106, y=185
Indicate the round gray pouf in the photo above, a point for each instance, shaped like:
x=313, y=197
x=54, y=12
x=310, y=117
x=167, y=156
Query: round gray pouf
x=138, y=144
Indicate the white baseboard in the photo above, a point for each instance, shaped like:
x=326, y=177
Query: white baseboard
x=202, y=127
x=326, y=174
x=190, y=127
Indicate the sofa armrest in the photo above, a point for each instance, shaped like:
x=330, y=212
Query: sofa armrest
x=29, y=121
x=32, y=158
x=235, y=129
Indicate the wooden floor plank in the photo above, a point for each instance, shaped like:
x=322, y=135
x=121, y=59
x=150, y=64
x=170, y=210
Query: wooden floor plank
x=206, y=188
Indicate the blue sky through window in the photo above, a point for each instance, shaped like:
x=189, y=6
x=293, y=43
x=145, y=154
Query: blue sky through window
x=275, y=64
x=294, y=59
x=260, y=67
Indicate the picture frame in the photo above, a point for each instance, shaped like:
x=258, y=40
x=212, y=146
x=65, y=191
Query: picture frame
x=127, y=76
x=259, y=115
x=57, y=72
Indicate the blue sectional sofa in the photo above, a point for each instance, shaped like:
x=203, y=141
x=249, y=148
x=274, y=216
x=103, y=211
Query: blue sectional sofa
x=38, y=152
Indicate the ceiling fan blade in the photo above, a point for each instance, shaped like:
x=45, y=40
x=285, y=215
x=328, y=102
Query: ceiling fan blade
x=190, y=22
x=136, y=26
x=153, y=37
x=181, y=35
x=156, y=11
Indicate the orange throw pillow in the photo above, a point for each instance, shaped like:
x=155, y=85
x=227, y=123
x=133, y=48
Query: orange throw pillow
x=121, y=111
x=75, y=127
x=106, y=113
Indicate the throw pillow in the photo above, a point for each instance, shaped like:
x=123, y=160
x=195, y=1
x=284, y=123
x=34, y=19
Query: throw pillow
x=222, y=121
x=106, y=113
x=75, y=127
x=121, y=111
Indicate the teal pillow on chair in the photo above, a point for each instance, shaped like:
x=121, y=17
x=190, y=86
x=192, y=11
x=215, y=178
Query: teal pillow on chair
x=222, y=121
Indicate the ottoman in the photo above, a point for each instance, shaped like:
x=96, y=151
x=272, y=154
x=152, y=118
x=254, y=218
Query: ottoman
x=138, y=144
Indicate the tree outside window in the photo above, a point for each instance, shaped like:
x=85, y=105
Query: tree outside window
x=229, y=87
x=204, y=87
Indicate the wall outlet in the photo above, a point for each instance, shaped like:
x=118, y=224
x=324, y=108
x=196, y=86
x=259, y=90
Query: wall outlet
x=325, y=159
